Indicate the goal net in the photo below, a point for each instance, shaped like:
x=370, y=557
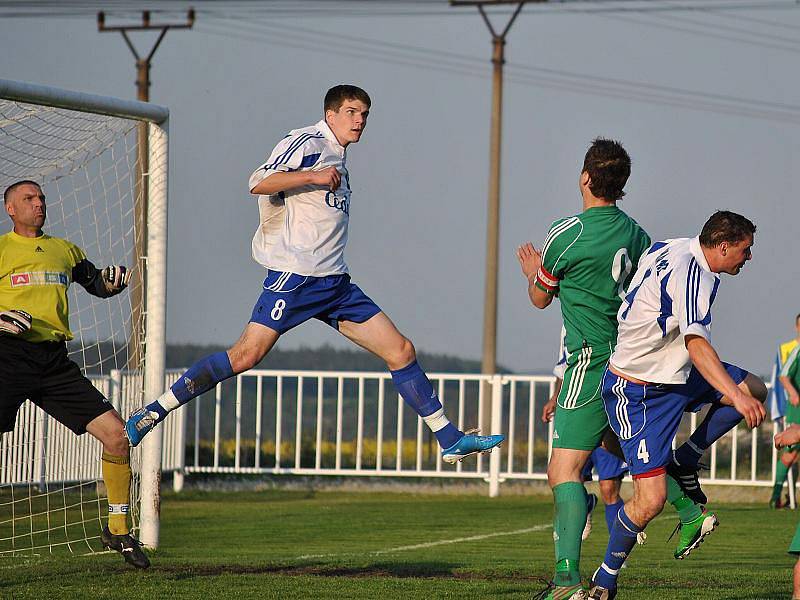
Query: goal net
x=84, y=151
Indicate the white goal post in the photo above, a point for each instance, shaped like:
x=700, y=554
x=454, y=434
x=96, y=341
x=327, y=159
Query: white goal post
x=51, y=134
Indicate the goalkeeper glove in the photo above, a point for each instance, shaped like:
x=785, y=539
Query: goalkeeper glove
x=115, y=278
x=15, y=321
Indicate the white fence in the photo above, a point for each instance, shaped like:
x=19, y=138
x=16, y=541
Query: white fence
x=347, y=424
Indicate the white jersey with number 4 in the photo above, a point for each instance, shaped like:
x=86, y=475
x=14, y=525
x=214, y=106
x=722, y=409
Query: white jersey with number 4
x=669, y=298
x=304, y=230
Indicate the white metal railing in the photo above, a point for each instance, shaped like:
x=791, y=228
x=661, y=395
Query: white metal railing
x=345, y=424
x=308, y=423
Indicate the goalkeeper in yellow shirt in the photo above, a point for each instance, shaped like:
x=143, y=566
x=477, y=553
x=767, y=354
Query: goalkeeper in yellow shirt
x=35, y=272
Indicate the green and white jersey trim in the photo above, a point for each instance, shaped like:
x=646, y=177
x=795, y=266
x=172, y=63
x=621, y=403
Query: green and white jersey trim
x=557, y=231
x=583, y=378
x=577, y=379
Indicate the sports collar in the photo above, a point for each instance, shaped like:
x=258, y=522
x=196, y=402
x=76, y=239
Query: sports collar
x=697, y=252
x=329, y=135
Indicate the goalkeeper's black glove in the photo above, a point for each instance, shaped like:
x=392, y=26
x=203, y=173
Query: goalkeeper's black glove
x=115, y=278
x=15, y=321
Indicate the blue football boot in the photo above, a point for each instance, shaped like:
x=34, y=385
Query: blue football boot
x=139, y=425
x=471, y=444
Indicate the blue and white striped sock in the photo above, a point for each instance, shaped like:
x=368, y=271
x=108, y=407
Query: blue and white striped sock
x=620, y=543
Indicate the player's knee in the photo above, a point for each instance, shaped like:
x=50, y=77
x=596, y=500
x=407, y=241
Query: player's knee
x=654, y=504
x=244, y=357
x=558, y=473
x=756, y=387
x=401, y=356
x=609, y=491
x=115, y=441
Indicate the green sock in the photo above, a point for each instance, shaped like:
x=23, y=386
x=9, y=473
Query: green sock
x=568, y=524
x=781, y=471
x=687, y=509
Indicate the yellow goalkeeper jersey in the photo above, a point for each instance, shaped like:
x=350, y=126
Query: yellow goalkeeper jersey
x=34, y=276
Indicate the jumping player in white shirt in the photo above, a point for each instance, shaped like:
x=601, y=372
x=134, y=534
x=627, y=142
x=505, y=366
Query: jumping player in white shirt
x=303, y=194
x=664, y=364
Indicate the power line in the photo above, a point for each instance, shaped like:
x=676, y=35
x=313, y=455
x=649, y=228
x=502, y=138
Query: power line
x=361, y=8
x=708, y=32
x=722, y=27
x=528, y=75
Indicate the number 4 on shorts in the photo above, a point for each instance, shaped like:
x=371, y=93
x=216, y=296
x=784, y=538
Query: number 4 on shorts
x=642, y=453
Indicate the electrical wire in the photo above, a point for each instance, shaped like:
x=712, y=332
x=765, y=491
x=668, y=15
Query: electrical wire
x=469, y=66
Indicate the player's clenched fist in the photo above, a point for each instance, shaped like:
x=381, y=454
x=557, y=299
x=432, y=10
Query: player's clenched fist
x=115, y=278
x=15, y=321
x=328, y=177
x=751, y=409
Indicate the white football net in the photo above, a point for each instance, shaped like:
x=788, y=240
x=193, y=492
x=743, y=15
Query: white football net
x=51, y=494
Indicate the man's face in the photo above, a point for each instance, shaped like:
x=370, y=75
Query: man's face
x=733, y=256
x=26, y=206
x=349, y=121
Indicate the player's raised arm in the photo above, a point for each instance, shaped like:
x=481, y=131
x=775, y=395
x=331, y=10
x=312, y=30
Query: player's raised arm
x=101, y=283
x=706, y=360
x=693, y=310
x=530, y=261
x=294, y=163
x=274, y=183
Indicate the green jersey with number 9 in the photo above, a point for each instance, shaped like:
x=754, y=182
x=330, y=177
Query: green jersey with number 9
x=588, y=260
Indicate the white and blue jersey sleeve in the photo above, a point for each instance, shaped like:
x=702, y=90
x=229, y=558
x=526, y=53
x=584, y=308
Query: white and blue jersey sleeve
x=694, y=292
x=298, y=151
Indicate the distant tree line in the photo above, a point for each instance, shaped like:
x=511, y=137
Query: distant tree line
x=103, y=356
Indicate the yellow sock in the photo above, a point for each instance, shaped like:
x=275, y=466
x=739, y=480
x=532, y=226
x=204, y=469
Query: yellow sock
x=117, y=476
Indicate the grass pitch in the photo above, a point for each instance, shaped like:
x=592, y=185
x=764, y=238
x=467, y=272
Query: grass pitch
x=282, y=544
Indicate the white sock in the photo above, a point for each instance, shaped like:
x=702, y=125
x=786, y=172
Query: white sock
x=168, y=401
x=437, y=420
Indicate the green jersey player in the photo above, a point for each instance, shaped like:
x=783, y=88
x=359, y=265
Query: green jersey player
x=788, y=362
x=586, y=260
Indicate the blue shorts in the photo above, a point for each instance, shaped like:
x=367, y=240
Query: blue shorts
x=289, y=299
x=606, y=464
x=646, y=417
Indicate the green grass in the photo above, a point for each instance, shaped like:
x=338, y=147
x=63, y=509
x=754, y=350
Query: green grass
x=257, y=545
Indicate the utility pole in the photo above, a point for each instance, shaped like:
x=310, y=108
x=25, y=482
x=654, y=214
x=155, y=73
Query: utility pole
x=142, y=168
x=489, y=357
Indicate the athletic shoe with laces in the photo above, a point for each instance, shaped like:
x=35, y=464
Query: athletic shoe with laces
x=139, y=425
x=128, y=546
x=469, y=444
x=557, y=592
x=591, y=502
x=693, y=533
x=687, y=479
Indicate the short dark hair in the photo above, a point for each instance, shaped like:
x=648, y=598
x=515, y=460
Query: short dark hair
x=796, y=319
x=726, y=226
x=14, y=186
x=609, y=167
x=338, y=94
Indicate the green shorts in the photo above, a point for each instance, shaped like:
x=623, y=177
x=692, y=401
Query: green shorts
x=794, y=547
x=580, y=420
